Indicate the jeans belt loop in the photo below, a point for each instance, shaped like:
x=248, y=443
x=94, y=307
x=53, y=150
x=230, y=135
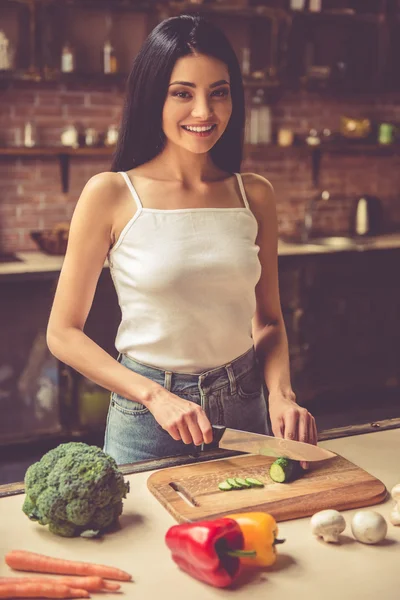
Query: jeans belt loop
x=168, y=380
x=232, y=378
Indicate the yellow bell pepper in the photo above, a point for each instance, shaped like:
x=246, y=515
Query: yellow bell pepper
x=260, y=532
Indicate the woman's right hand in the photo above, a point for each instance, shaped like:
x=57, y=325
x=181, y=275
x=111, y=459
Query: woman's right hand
x=182, y=419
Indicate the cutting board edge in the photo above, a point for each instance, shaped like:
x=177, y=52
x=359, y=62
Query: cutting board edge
x=174, y=513
x=159, y=484
x=183, y=513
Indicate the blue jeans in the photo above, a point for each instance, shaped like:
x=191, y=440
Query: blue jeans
x=231, y=395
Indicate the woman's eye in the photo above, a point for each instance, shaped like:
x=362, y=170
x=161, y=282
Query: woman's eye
x=222, y=92
x=180, y=94
x=217, y=93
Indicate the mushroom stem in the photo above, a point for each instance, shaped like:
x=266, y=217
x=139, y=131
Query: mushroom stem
x=328, y=524
x=395, y=514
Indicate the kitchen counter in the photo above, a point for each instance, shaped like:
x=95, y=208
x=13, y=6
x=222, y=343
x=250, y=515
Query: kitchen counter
x=39, y=262
x=306, y=567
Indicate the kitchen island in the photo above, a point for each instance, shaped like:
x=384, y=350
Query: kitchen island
x=306, y=568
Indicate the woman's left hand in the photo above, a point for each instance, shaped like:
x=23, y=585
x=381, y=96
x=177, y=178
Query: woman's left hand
x=291, y=421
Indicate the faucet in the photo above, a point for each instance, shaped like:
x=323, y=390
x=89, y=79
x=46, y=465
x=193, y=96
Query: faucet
x=309, y=214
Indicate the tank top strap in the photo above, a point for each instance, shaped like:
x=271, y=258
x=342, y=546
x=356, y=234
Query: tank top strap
x=132, y=189
x=242, y=190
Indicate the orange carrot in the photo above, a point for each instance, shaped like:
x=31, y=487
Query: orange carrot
x=23, y=560
x=40, y=590
x=91, y=583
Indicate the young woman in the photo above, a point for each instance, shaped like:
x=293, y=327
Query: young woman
x=192, y=248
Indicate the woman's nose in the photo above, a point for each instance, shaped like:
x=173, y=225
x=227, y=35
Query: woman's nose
x=202, y=108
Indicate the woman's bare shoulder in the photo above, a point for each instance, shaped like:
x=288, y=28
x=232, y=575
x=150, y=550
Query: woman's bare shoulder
x=257, y=184
x=104, y=185
x=102, y=194
x=259, y=192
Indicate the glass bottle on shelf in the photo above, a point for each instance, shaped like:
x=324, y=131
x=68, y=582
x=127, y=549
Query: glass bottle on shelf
x=30, y=134
x=246, y=61
x=67, y=59
x=109, y=58
x=260, y=122
x=297, y=4
x=6, y=53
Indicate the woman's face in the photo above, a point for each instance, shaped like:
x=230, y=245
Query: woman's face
x=198, y=96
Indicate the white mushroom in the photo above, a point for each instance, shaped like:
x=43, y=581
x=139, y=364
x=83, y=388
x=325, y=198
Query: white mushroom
x=395, y=514
x=368, y=527
x=328, y=524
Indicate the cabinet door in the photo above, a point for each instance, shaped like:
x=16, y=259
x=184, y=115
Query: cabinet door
x=344, y=329
x=29, y=376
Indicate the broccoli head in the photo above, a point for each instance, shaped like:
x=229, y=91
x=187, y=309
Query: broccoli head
x=75, y=489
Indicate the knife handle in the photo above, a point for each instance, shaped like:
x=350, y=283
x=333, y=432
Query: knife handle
x=218, y=432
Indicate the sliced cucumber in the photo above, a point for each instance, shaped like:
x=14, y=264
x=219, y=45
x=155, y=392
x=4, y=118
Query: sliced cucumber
x=224, y=486
x=283, y=470
x=242, y=482
x=232, y=482
x=254, y=482
x=238, y=483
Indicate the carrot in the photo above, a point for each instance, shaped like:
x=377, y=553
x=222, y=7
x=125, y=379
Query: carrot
x=90, y=583
x=40, y=590
x=23, y=560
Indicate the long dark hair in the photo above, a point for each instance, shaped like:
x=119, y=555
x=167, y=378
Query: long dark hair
x=141, y=136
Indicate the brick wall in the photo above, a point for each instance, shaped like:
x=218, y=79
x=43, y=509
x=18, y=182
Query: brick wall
x=30, y=188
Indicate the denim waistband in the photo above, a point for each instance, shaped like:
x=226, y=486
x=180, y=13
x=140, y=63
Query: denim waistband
x=216, y=378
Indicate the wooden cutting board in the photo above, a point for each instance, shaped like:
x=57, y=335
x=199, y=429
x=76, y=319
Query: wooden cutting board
x=335, y=483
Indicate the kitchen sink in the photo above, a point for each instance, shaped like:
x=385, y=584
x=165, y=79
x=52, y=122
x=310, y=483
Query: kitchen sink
x=9, y=257
x=337, y=242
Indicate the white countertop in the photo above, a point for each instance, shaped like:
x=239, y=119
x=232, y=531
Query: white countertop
x=39, y=262
x=306, y=569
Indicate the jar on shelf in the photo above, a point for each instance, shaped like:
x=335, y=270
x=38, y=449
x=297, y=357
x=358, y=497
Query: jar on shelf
x=260, y=123
x=111, y=136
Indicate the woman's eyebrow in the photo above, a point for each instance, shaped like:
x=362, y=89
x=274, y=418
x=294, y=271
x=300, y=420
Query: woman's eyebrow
x=193, y=85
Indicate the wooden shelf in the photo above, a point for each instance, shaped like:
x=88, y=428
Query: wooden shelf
x=360, y=148
x=56, y=151
x=376, y=18
x=136, y=5
x=258, y=151
x=70, y=79
x=63, y=154
x=225, y=10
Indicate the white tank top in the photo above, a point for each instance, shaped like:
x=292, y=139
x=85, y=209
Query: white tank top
x=185, y=280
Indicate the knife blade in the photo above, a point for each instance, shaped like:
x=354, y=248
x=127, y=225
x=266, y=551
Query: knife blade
x=266, y=445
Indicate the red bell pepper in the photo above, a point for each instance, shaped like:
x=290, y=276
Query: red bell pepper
x=208, y=550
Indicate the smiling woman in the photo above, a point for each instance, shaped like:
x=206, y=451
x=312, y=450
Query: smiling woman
x=202, y=109
x=192, y=248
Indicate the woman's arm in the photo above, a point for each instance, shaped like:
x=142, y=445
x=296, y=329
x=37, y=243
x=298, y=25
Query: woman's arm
x=270, y=340
x=91, y=235
x=90, y=238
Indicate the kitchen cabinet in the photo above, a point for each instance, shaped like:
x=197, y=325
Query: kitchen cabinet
x=39, y=396
x=342, y=316
x=306, y=567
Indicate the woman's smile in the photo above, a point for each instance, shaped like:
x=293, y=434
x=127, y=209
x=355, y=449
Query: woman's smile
x=203, y=131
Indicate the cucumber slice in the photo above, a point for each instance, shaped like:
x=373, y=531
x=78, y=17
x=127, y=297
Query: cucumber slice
x=232, y=482
x=224, y=486
x=254, y=482
x=283, y=470
x=242, y=482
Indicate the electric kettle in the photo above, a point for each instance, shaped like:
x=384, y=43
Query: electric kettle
x=367, y=216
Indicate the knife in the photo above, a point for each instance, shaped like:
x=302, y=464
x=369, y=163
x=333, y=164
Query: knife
x=256, y=443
